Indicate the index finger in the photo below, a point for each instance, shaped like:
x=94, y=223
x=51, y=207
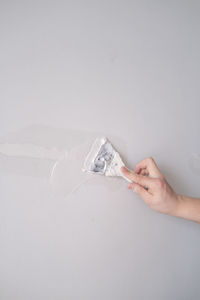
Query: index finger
x=151, y=167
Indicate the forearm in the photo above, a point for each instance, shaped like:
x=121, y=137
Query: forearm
x=188, y=208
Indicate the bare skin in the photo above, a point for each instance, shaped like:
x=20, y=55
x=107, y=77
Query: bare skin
x=149, y=183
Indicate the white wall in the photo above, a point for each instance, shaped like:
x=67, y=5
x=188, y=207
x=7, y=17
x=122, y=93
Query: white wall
x=129, y=70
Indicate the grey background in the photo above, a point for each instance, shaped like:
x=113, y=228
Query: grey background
x=128, y=68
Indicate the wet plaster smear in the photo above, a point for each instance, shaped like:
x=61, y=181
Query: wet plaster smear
x=54, y=154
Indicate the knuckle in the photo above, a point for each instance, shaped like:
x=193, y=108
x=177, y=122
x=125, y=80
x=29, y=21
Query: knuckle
x=150, y=159
x=159, y=183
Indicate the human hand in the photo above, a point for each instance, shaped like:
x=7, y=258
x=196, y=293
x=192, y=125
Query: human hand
x=149, y=183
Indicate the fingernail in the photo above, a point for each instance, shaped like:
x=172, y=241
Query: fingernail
x=123, y=168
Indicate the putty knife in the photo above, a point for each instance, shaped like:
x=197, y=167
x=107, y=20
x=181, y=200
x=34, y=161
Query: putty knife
x=103, y=159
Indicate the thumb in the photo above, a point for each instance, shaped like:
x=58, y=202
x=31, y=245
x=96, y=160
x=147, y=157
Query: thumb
x=139, y=179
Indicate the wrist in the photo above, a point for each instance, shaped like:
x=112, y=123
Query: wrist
x=180, y=206
x=187, y=208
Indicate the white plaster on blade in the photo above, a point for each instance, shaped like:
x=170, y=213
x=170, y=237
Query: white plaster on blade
x=103, y=159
